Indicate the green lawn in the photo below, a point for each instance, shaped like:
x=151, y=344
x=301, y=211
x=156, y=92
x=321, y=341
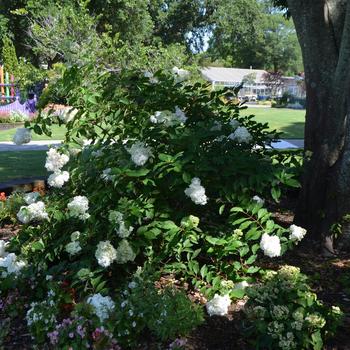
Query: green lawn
x=17, y=165
x=289, y=121
x=58, y=133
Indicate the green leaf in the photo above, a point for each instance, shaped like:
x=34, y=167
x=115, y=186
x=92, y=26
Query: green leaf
x=253, y=234
x=38, y=246
x=136, y=173
x=251, y=259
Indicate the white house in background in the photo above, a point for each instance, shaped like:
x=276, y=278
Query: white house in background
x=252, y=80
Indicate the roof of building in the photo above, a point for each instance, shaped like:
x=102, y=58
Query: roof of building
x=231, y=75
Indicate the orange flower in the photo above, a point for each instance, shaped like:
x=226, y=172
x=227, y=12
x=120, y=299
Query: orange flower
x=2, y=196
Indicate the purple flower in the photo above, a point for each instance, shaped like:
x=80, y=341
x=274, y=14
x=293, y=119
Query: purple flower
x=71, y=335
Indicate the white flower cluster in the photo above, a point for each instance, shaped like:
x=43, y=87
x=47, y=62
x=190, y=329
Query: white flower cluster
x=105, y=253
x=151, y=77
x=218, y=306
x=31, y=197
x=258, y=200
x=78, y=207
x=196, y=192
x=103, y=306
x=234, y=123
x=180, y=74
x=116, y=218
x=22, y=136
x=241, y=135
x=73, y=247
x=297, y=233
x=66, y=114
x=43, y=312
x=54, y=162
x=10, y=261
x=217, y=126
x=270, y=245
x=169, y=118
x=32, y=212
x=140, y=153
x=106, y=175
x=125, y=252
x=58, y=179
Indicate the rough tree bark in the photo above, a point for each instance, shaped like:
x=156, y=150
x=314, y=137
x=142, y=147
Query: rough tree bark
x=323, y=29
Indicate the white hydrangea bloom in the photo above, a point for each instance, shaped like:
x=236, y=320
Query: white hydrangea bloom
x=234, y=123
x=218, y=306
x=217, y=126
x=55, y=160
x=105, y=253
x=169, y=118
x=180, y=74
x=124, y=252
x=258, y=200
x=151, y=77
x=297, y=233
x=3, y=245
x=66, y=114
x=181, y=116
x=241, y=285
x=270, y=245
x=31, y=197
x=103, y=306
x=75, y=236
x=22, y=136
x=140, y=153
x=58, y=179
x=78, y=207
x=106, y=175
x=12, y=263
x=241, y=135
x=34, y=211
x=115, y=217
x=196, y=192
x=73, y=248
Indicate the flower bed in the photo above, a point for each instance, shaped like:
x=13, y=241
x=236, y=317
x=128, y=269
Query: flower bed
x=176, y=182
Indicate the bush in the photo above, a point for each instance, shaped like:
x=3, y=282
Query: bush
x=170, y=180
x=285, y=314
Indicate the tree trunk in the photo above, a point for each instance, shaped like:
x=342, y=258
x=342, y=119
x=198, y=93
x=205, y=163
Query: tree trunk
x=323, y=28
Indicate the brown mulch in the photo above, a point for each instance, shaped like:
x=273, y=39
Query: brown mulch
x=329, y=277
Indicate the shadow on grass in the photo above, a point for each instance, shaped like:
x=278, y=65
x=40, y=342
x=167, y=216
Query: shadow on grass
x=293, y=131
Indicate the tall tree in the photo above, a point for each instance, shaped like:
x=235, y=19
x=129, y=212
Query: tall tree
x=323, y=29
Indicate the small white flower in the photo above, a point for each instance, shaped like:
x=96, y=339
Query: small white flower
x=75, y=236
x=34, y=211
x=58, y=179
x=78, y=207
x=105, y=253
x=12, y=263
x=73, y=248
x=196, y=192
x=106, y=175
x=22, y=136
x=181, y=116
x=241, y=285
x=218, y=306
x=132, y=285
x=258, y=200
x=297, y=233
x=103, y=306
x=3, y=245
x=31, y=197
x=140, y=153
x=55, y=161
x=180, y=74
x=217, y=126
x=234, y=123
x=241, y=135
x=270, y=245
